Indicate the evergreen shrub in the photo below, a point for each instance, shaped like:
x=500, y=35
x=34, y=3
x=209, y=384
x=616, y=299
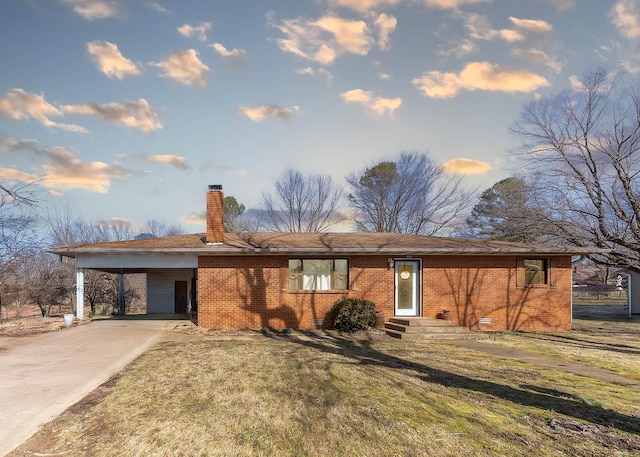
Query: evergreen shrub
x=353, y=314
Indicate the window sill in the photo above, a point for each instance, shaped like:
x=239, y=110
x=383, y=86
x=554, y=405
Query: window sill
x=336, y=291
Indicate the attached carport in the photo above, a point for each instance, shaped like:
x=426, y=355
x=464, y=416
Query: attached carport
x=171, y=276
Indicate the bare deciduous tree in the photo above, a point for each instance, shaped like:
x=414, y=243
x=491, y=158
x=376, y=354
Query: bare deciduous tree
x=155, y=228
x=585, y=146
x=16, y=225
x=411, y=195
x=130, y=293
x=17, y=230
x=115, y=230
x=302, y=204
x=97, y=288
x=46, y=281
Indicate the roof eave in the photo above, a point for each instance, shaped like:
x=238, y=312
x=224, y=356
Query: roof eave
x=226, y=251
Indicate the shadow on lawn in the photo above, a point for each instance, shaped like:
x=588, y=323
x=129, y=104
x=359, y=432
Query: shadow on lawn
x=362, y=352
x=577, y=341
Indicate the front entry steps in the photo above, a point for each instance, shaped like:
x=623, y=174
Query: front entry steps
x=423, y=328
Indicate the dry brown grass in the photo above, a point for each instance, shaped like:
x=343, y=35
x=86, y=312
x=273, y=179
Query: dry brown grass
x=338, y=397
x=605, y=340
x=609, y=297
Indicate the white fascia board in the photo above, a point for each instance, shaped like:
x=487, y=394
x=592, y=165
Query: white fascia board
x=135, y=260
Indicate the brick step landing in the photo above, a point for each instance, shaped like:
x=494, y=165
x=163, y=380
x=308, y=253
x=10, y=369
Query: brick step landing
x=423, y=328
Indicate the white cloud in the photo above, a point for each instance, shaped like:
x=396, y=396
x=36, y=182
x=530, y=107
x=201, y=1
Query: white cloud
x=509, y=35
x=378, y=105
x=364, y=5
x=465, y=167
x=65, y=170
x=383, y=76
x=185, y=67
x=624, y=53
x=195, y=218
x=350, y=36
x=480, y=29
x=436, y=84
x=154, y=5
x=322, y=74
x=478, y=76
x=198, y=32
x=325, y=76
x=134, y=114
x=538, y=56
x=385, y=24
x=532, y=25
x=268, y=111
x=13, y=144
x=625, y=15
x=178, y=162
x=452, y=4
x=305, y=71
x=76, y=174
x=324, y=39
x=13, y=175
x=576, y=83
x=461, y=49
x=95, y=9
x=236, y=57
x=20, y=105
x=110, y=61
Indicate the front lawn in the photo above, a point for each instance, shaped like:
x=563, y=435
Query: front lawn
x=282, y=396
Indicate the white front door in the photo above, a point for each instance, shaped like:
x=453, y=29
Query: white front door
x=408, y=282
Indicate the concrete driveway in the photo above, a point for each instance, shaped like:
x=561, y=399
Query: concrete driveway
x=41, y=376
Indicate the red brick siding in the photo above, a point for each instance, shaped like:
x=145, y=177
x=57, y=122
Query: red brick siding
x=215, y=214
x=251, y=292
x=476, y=287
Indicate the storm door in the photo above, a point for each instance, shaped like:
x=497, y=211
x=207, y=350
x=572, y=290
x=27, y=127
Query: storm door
x=407, y=296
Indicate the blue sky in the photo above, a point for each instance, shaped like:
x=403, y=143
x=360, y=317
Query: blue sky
x=129, y=109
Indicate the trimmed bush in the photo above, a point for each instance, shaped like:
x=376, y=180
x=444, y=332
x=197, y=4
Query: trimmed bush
x=353, y=314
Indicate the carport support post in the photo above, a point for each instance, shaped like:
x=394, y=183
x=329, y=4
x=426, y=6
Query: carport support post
x=80, y=293
x=121, y=294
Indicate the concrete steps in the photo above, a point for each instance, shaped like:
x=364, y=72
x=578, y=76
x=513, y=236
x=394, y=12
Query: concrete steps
x=423, y=328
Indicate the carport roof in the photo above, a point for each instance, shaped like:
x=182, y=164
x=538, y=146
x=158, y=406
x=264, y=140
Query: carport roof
x=320, y=244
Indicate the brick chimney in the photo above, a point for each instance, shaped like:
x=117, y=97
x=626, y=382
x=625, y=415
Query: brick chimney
x=215, y=215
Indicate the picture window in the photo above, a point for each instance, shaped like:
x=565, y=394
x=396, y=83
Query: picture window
x=318, y=274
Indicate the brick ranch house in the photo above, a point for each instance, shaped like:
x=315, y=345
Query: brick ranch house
x=280, y=280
